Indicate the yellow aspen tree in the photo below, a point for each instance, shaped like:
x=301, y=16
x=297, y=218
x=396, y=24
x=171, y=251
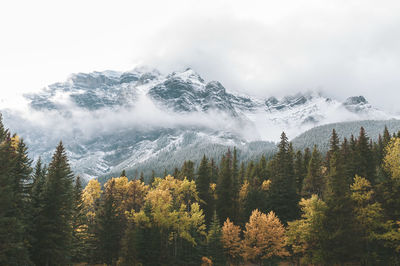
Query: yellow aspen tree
x=90, y=195
x=391, y=160
x=264, y=238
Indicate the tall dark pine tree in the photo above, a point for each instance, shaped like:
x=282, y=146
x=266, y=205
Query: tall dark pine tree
x=235, y=186
x=365, y=166
x=340, y=243
x=314, y=181
x=108, y=227
x=13, y=250
x=79, y=225
x=300, y=171
x=224, y=189
x=282, y=196
x=214, y=249
x=56, y=212
x=187, y=170
x=38, y=220
x=203, y=187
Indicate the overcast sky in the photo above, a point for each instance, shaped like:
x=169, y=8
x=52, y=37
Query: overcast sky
x=266, y=48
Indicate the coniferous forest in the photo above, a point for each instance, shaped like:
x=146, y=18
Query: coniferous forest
x=304, y=207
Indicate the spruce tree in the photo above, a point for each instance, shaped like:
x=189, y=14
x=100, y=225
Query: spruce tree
x=203, y=187
x=314, y=181
x=215, y=250
x=108, y=227
x=79, y=225
x=224, y=189
x=364, y=161
x=235, y=186
x=187, y=171
x=282, y=195
x=340, y=244
x=13, y=249
x=300, y=171
x=38, y=219
x=56, y=213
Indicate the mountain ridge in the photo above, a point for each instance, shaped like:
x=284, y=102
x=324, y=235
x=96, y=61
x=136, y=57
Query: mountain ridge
x=114, y=120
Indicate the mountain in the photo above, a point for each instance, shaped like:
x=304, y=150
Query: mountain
x=320, y=135
x=141, y=120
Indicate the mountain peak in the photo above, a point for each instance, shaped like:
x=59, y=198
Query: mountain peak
x=355, y=100
x=189, y=75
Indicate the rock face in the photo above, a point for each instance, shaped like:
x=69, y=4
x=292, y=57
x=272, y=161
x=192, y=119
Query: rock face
x=142, y=120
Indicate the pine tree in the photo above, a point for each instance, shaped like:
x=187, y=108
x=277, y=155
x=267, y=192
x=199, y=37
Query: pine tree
x=187, y=171
x=235, y=186
x=215, y=250
x=300, y=171
x=314, y=181
x=203, y=187
x=365, y=166
x=341, y=241
x=123, y=173
x=79, y=225
x=38, y=220
x=282, y=195
x=56, y=213
x=224, y=189
x=13, y=250
x=141, y=177
x=108, y=226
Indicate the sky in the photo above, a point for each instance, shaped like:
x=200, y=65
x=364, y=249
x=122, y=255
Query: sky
x=263, y=48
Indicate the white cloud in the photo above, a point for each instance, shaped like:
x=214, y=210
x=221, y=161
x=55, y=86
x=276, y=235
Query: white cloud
x=263, y=47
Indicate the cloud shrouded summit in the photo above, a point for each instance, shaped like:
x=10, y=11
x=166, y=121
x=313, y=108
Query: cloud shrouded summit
x=264, y=48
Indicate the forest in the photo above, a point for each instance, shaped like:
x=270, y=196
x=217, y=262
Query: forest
x=299, y=207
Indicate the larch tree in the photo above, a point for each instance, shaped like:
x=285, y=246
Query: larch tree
x=264, y=238
x=231, y=241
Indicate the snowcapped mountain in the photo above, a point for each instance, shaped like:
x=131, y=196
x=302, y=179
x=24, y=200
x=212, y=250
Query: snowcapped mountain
x=142, y=120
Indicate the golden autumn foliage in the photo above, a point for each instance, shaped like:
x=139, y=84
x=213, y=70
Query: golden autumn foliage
x=304, y=235
x=391, y=161
x=90, y=195
x=15, y=142
x=266, y=185
x=264, y=237
x=231, y=239
x=206, y=261
x=174, y=209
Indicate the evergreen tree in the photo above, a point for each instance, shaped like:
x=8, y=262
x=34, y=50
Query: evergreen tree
x=341, y=243
x=13, y=250
x=57, y=207
x=79, y=225
x=108, y=226
x=141, y=177
x=235, y=186
x=364, y=159
x=187, y=171
x=224, y=189
x=38, y=220
x=314, y=181
x=282, y=195
x=123, y=173
x=215, y=250
x=300, y=171
x=203, y=187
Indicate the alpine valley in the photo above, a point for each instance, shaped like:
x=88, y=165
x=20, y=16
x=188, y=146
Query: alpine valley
x=142, y=120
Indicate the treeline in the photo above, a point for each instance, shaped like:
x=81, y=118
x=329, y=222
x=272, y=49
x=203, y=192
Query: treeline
x=303, y=207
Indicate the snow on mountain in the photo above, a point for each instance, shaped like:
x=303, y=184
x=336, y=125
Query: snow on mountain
x=142, y=119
